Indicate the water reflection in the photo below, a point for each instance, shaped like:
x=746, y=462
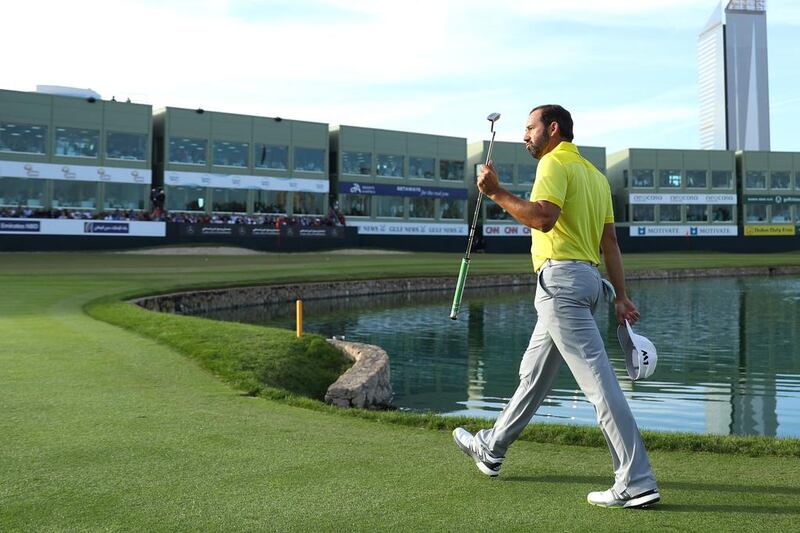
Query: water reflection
x=729, y=356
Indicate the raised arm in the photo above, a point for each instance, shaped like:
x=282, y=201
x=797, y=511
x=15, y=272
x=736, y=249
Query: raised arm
x=541, y=215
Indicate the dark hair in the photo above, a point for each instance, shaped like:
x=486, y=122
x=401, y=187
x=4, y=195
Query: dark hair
x=556, y=113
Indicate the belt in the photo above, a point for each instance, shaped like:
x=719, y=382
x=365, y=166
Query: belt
x=550, y=262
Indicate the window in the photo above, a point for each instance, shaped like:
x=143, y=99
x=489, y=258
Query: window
x=76, y=142
x=505, y=172
x=644, y=213
x=721, y=179
x=22, y=192
x=390, y=206
x=696, y=213
x=75, y=194
x=390, y=165
x=188, y=151
x=185, y=198
x=421, y=167
x=755, y=212
x=309, y=159
x=229, y=200
x=231, y=154
x=452, y=209
x=23, y=138
x=310, y=203
x=756, y=179
x=669, y=178
x=421, y=207
x=780, y=179
x=451, y=170
x=781, y=213
x=495, y=212
x=130, y=146
x=357, y=163
x=125, y=196
x=270, y=202
x=355, y=205
x=272, y=156
x=527, y=173
x=696, y=179
x=721, y=213
x=669, y=213
x=643, y=177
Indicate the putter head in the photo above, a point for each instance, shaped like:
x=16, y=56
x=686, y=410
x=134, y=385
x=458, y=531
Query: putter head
x=493, y=117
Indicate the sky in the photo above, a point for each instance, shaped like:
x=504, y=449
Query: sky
x=626, y=69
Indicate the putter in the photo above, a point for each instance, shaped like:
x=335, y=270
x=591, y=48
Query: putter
x=462, y=273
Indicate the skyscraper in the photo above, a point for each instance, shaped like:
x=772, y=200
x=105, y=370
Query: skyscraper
x=734, y=90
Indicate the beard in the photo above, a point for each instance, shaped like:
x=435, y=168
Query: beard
x=536, y=146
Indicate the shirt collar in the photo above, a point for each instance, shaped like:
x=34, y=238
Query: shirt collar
x=566, y=146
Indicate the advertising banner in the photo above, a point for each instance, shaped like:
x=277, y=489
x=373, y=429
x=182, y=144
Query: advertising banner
x=236, y=231
x=49, y=226
x=506, y=230
x=238, y=181
x=409, y=228
x=757, y=230
x=684, y=231
x=771, y=199
x=48, y=171
x=682, y=198
x=412, y=191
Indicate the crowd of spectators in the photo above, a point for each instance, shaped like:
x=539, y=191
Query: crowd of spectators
x=79, y=214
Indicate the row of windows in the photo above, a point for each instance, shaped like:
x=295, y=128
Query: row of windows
x=399, y=207
x=675, y=178
x=392, y=165
x=495, y=212
x=245, y=201
x=682, y=213
x=771, y=213
x=71, y=142
x=15, y=192
x=191, y=151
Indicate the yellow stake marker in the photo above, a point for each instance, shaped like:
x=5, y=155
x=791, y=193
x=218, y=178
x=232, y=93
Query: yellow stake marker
x=299, y=318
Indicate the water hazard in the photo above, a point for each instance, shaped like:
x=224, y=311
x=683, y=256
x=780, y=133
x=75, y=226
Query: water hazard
x=728, y=352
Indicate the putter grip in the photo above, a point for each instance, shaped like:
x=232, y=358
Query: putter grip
x=462, y=278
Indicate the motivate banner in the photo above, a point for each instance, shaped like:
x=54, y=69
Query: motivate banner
x=413, y=191
x=682, y=199
x=247, y=230
x=49, y=226
x=409, y=228
x=238, y=181
x=774, y=199
x=47, y=171
x=757, y=230
x=506, y=230
x=684, y=231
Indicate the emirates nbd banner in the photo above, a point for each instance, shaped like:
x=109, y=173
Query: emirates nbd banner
x=95, y=228
x=413, y=191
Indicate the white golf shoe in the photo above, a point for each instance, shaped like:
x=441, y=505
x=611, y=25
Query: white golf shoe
x=483, y=460
x=610, y=498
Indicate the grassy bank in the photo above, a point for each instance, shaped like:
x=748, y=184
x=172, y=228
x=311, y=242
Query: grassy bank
x=105, y=428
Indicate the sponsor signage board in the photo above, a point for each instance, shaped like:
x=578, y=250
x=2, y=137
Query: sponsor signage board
x=756, y=230
x=506, y=230
x=684, y=231
x=50, y=226
x=71, y=172
x=682, y=198
x=409, y=228
x=413, y=191
x=775, y=199
x=238, y=181
x=247, y=230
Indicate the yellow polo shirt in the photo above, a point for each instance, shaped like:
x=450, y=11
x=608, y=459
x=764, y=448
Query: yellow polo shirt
x=582, y=192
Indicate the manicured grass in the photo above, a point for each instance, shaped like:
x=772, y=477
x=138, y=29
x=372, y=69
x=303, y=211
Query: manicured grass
x=103, y=428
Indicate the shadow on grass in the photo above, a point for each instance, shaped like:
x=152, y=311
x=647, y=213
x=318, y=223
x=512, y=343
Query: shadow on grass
x=686, y=486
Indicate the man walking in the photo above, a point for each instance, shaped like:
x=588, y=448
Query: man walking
x=571, y=217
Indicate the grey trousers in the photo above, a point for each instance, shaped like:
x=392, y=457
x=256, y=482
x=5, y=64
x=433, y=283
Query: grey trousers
x=566, y=297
